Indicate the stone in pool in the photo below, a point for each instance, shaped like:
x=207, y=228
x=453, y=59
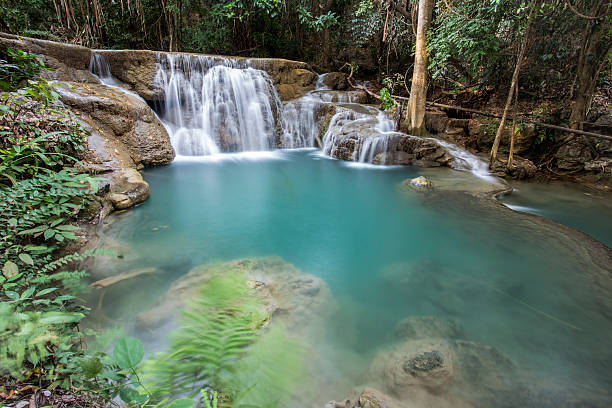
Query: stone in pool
x=420, y=183
x=291, y=296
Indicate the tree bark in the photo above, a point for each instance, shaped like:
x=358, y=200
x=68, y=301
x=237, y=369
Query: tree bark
x=597, y=46
x=515, y=74
x=415, y=115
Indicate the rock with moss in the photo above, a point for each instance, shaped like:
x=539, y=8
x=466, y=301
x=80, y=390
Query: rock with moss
x=290, y=295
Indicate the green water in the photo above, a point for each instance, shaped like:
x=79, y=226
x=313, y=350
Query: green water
x=386, y=253
x=579, y=207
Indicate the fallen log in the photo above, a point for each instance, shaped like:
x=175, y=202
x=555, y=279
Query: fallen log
x=112, y=280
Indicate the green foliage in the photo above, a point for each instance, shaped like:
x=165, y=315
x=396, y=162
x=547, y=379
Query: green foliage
x=468, y=37
x=35, y=133
x=386, y=99
x=317, y=23
x=219, y=345
x=17, y=67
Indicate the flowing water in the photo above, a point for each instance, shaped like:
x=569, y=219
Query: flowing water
x=387, y=252
x=210, y=105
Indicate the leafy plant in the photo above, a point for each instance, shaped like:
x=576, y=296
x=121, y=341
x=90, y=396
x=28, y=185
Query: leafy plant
x=18, y=66
x=220, y=346
x=386, y=99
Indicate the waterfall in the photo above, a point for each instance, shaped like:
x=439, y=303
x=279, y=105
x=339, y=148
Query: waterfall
x=99, y=66
x=215, y=104
x=467, y=161
x=371, y=146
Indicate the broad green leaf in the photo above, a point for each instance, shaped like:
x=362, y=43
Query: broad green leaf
x=67, y=228
x=128, y=352
x=10, y=269
x=45, y=291
x=131, y=396
x=49, y=233
x=26, y=258
x=12, y=294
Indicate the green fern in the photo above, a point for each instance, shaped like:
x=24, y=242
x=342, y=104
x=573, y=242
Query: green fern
x=215, y=331
x=220, y=345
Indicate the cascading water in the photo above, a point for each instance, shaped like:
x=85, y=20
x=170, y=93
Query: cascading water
x=211, y=105
x=214, y=104
x=467, y=161
x=99, y=66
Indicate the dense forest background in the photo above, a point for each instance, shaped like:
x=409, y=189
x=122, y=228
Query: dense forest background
x=472, y=43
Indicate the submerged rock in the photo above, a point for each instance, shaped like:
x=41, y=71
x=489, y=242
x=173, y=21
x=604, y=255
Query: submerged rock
x=291, y=296
x=414, y=365
x=441, y=373
x=425, y=327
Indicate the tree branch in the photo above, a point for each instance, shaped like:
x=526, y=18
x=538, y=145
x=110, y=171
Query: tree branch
x=579, y=14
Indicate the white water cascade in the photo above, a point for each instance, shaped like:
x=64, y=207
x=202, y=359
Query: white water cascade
x=467, y=161
x=213, y=105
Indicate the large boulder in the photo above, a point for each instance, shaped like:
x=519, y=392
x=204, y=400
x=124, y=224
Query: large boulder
x=291, y=296
x=127, y=189
x=357, y=137
x=524, y=138
x=335, y=80
x=122, y=118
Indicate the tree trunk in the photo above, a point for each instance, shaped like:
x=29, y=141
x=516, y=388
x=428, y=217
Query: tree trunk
x=415, y=115
x=597, y=45
x=515, y=75
x=326, y=56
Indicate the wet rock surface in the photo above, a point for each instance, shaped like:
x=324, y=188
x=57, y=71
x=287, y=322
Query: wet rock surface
x=122, y=119
x=360, y=138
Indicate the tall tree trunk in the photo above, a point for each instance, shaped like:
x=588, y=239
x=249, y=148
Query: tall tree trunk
x=511, y=92
x=597, y=44
x=415, y=115
x=325, y=57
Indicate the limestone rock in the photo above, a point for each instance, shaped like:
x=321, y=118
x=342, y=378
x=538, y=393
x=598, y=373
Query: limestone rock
x=127, y=188
x=523, y=140
x=129, y=121
x=335, y=80
x=356, y=137
x=415, y=365
x=602, y=165
x=421, y=183
x=371, y=398
x=573, y=155
x=436, y=121
x=68, y=62
x=291, y=296
x=521, y=168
